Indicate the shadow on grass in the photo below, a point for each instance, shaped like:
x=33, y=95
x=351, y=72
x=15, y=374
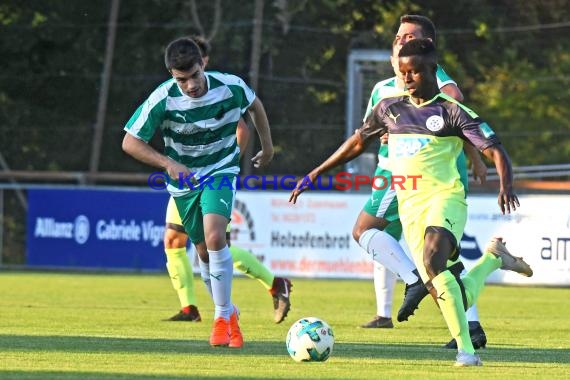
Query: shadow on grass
x=68, y=375
x=90, y=344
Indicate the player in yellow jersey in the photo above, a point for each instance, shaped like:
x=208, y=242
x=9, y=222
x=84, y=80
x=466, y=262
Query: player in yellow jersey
x=426, y=133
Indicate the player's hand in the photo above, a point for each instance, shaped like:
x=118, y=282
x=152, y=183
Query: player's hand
x=262, y=158
x=300, y=187
x=480, y=172
x=508, y=201
x=177, y=170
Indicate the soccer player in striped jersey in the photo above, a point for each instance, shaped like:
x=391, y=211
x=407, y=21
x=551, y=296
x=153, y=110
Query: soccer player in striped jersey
x=427, y=129
x=179, y=266
x=197, y=114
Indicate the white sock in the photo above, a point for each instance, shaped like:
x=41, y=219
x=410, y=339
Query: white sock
x=386, y=250
x=221, y=273
x=205, y=274
x=384, y=283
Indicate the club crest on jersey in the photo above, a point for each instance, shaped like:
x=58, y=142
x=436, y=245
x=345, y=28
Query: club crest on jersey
x=408, y=146
x=434, y=123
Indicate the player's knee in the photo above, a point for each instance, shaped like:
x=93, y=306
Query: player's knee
x=434, y=255
x=357, y=232
x=216, y=240
x=364, y=224
x=174, y=239
x=430, y=263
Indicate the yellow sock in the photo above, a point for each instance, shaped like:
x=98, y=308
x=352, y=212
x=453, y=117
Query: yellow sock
x=474, y=280
x=181, y=275
x=450, y=302
x=248, y=264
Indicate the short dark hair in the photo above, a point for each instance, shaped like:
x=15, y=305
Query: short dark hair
x=182, y=54
x=203, y=44
x=428, y=28
x=419, y=46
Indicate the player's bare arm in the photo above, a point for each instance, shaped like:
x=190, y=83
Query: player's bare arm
x=351, y=148
x=242, y=134
x=143, y=152
x=259, y=117
x=479, y=167
x=507, y=198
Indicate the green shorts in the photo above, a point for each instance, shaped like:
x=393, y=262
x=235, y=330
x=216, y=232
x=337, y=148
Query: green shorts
x=215, y=197
x=384, y=204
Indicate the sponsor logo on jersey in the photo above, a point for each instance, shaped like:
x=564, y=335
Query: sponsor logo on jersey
x=486, y=129
x=408, y=146
x=391, y=116
x=179, y=116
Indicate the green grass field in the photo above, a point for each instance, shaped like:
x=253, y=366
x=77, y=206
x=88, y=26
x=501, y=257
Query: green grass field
x=108, y=326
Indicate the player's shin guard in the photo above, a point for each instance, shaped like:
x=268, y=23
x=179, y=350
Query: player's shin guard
x=450, y=302
x=221, y=273
x=474, y=280
x=249, y=265
x=181, y=275
x=386, y=250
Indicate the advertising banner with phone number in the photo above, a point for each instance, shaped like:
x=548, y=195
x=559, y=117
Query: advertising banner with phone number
x=123, y=230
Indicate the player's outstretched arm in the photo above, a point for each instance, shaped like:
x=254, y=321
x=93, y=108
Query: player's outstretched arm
x=259, y=117
x=351, y=148
x=507, y=198
x=143, y=152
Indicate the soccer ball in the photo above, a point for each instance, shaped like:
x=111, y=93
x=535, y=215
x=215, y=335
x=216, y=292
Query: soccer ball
x=310, y=340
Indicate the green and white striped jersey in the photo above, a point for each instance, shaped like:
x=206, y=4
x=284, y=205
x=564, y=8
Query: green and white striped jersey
x=198, y=132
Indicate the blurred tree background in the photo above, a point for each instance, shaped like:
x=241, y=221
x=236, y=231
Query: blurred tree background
x=510, y=57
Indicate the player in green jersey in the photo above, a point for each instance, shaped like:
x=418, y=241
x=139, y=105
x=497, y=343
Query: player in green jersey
x=197, y=114
x=427, y=130
x=179, y=266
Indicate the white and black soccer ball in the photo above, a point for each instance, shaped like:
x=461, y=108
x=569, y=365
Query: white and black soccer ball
x=310, y=339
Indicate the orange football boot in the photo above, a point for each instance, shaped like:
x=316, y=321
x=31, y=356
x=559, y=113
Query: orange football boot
x=236, y=338
x=220, y=332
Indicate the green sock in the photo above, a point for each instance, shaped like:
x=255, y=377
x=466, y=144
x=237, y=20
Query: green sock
x=451, y=304
x=248, y=264
x=474, y=280
x=181, y=275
